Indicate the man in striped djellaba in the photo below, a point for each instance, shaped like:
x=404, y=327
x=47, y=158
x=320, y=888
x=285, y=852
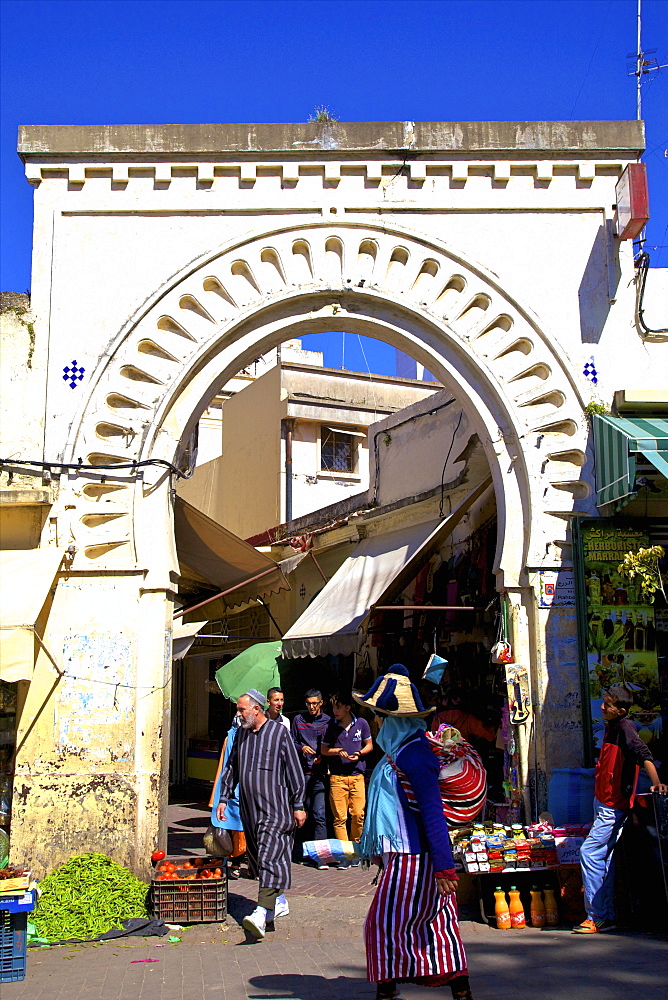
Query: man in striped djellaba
x=265, y=764
x=412, y=928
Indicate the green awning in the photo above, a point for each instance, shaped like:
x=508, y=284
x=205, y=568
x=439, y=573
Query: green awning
x=256, y=667
x=618, y=440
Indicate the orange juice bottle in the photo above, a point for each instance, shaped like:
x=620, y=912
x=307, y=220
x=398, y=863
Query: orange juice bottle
x=501, y=910
x=537, y=908
x=517, y=919
x=551, y=909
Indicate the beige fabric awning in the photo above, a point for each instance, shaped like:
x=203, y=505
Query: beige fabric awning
x=211, y=556
x=183, y=636
x=378, y=566
x=25, y=578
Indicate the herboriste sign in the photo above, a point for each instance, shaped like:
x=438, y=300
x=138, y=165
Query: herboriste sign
x=621, y=629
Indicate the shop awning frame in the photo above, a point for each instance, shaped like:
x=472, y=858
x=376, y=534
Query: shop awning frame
x=617, y=441
x=184, y=635
x=26, y=576
x=333, y=621
x=212, y=556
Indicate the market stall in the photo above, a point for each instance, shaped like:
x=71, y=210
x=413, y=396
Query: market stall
x=540, y=861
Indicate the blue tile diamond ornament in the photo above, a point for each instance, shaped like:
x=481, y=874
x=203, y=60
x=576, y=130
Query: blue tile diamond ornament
x=73, y=374
x=589, y=370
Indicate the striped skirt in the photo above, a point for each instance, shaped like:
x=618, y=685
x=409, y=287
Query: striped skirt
x=411, y=931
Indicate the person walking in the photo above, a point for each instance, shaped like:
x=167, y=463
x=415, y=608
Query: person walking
x=265, y=765
x=308, y=729
x=622, y=755
x=345, y=744
x=232, y=821
x=412, y=929
x=276, y=701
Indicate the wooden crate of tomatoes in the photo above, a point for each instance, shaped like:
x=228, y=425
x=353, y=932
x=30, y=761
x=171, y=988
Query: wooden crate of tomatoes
x=189, y=890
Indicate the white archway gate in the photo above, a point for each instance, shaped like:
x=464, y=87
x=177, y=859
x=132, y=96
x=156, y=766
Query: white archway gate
x=230, y=306
x=150, y=388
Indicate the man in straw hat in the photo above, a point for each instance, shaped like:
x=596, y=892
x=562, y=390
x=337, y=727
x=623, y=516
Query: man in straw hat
x=265, y=764
x=412, y=928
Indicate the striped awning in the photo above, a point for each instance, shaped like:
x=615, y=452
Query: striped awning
x=618, y=440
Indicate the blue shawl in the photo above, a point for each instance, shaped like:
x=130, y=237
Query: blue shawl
x=383, y=826
x=232, y=819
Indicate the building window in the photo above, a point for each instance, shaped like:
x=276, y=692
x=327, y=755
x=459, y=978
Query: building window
x=338, y=451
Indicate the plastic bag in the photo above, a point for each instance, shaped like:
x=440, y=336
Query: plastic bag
x=218, y=842
x=330, y=851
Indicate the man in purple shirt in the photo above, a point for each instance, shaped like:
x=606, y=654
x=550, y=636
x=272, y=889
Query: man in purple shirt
x=345, y=744
x=308, y=729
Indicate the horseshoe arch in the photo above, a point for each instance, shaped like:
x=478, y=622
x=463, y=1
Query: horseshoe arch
x=244, y=298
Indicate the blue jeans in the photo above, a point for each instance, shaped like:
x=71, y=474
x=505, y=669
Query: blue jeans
x=597, y=861
x=314, y=799
x=315, y=827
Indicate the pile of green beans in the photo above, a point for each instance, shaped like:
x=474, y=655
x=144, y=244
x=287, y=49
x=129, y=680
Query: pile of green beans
x=87, y=896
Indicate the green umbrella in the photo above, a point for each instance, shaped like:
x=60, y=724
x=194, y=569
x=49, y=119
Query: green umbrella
x=256, y=667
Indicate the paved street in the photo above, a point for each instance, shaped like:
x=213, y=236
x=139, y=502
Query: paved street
x=316, y=953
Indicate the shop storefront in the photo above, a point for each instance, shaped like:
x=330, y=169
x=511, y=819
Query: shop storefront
x=223, y=583
x=623, y=622
x=624, y=632
x=424, y=588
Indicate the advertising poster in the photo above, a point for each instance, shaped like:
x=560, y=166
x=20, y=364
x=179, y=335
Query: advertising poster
x=621, y=630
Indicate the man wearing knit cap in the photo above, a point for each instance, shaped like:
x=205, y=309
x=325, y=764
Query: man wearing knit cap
x=265, y=764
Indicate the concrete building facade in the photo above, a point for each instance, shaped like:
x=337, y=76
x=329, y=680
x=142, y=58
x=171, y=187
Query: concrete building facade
x=167, y=258
x=295, y=440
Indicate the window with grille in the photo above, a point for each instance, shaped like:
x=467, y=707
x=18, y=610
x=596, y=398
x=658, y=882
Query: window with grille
x=338, y=451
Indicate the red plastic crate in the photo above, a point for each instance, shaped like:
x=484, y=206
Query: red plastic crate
x=197, y=901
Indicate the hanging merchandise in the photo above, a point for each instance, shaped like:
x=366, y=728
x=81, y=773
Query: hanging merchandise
x=502, y=652
x=519, y=699
x=462, y=777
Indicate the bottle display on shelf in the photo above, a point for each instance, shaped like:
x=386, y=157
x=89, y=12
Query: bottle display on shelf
x=551, y=909
x=517, y=917
x=501, y=910
x=537, y=908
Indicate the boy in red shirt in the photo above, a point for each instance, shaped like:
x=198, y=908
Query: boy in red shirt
x=616, y=778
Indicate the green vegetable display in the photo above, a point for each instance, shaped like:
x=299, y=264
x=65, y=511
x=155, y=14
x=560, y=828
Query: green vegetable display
x=87, y=896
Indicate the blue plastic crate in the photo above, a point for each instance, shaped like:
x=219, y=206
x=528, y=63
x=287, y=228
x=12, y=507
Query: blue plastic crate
x=13, y=943
x=23, y=903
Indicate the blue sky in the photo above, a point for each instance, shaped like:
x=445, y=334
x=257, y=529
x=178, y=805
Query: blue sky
x=122, y=61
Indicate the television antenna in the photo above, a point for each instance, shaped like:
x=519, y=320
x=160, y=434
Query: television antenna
x=641, y=63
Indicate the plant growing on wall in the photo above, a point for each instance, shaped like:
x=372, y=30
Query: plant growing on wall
x=643, y=567
x=594, y=407
x=321, y=113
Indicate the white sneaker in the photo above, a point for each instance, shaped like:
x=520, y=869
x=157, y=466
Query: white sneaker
x=281, y=909
x=256, y=923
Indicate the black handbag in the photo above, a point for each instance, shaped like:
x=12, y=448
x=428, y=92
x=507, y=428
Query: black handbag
x=218, y=842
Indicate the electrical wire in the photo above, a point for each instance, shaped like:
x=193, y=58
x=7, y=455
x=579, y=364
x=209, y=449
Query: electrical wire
x=82, y=466
x=400, y=423
x=373, y=391
x=603, y=21
x=452, y=444
x=642, y=265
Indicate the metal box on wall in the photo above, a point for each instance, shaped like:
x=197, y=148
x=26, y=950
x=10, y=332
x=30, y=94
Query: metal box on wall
x=632, y=198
